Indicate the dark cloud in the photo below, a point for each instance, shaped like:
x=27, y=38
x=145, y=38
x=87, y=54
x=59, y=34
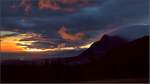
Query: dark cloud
x=36, y=37
x=100, y=14
x=42, y=45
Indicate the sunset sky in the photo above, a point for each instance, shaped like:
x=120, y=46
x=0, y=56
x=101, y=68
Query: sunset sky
x=68, y=25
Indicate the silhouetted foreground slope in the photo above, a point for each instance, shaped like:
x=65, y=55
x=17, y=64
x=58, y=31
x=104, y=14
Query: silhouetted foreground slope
x=129, y=61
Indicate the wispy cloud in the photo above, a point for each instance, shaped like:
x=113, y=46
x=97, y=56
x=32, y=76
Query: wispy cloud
x=70, y=37
x=54, y=5
x=26, y=5
x=7, y=33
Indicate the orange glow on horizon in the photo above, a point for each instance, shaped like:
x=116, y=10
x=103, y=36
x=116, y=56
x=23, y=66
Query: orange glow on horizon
x=10, y=44
x=16, y=44
x=10, y=47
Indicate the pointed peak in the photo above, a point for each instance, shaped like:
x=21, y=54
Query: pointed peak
x=104, y=37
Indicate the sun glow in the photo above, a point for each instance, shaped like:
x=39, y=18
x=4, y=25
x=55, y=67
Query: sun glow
x=10, y=43
x=86, y=46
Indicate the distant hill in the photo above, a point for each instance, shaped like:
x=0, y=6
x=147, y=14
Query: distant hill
x=129, y=60
x=102, y=46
